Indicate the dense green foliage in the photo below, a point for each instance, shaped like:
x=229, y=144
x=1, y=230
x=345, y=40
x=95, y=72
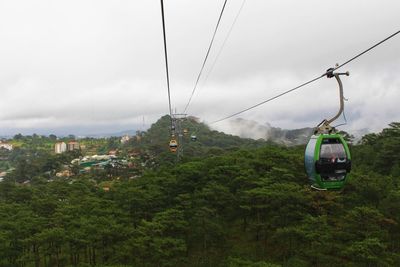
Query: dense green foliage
x=241, y=207
x=156, y=139
x=381, y=152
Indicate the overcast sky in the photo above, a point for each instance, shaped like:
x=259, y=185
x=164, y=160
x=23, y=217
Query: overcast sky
x=97, y=66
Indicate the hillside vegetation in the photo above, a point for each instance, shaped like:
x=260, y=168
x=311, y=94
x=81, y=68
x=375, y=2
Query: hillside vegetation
x=249, y=204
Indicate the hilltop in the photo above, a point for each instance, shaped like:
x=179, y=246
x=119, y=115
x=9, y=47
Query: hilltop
x=210, y=141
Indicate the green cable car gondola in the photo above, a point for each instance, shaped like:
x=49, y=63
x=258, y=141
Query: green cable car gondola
x=327, y=161
x=327, y=157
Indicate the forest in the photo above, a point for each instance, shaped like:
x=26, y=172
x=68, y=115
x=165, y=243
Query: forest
x=228, y=202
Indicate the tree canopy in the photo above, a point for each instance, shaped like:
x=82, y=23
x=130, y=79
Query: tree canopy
x=250, y=205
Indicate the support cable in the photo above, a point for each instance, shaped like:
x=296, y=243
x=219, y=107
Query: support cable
x=367, y=50
x=306, y=83
x=224, y=43
x=206, y=57
x=269, y=99
x=166, y=61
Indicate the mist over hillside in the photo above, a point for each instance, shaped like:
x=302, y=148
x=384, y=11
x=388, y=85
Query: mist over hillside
x=242, y=128
x=252, y=129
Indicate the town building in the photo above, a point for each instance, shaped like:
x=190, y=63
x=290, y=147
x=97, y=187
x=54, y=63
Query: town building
x=64, y=173
x=6, y=145
x=60, y=147
x=125, y=139
x=113, y=152
x=73, y=145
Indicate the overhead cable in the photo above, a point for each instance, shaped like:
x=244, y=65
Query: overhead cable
x=225, y=41
x=306, y=83
x=270, y=99
x=367, y=50
x=206, y=57
x=166, y=60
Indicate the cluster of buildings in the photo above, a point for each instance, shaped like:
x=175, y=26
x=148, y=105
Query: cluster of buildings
x=90, y=160
x=138, y=137
x=61, y=147
x=6, y=145
x=125, y=139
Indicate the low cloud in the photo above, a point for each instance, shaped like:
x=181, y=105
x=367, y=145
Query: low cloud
x=100, y=67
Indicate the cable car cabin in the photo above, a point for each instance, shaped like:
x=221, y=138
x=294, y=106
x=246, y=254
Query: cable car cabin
x=173, y=145
x=327, y=161
x=185, y=132
x=193, y=137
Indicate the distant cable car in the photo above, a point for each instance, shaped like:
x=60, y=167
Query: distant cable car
x=193, y=137
x=185, y=132
x=327, y=157
x=173, y=145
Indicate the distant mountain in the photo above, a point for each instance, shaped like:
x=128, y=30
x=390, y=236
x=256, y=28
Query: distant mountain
x=252, y=129
x=103, y=135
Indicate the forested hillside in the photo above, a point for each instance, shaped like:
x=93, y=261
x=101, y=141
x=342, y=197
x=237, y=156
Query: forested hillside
x=249, y=205
x=209, y=142
x=158, y=136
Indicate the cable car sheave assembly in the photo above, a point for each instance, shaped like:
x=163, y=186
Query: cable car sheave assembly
x=178, y=132
x=173, y=143
x=327, y=157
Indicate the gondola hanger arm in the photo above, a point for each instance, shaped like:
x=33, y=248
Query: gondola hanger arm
x=325, y=125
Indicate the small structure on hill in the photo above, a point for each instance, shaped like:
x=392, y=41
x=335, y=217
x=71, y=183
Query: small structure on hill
x=125, y=139
x=6, y=145
x=73, y=145
x=113, y=152
x=64, y=173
